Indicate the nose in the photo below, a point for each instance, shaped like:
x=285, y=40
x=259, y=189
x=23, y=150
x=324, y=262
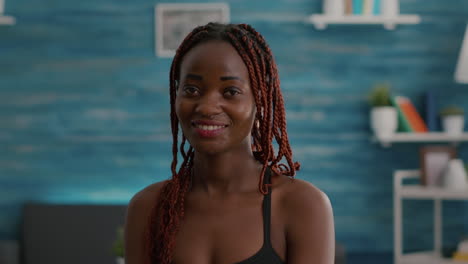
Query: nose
x=208, y=105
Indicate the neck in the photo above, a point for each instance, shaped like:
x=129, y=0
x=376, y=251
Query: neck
x=225, y=173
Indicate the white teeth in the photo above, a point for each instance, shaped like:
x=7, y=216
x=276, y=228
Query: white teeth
x=205, y=127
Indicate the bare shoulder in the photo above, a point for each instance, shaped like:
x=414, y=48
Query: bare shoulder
x=297, y=194
x=136, y=222
x=147, y=196
x=141, y=205
x=308, y=221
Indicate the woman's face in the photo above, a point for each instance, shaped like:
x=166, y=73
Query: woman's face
x=214, y=101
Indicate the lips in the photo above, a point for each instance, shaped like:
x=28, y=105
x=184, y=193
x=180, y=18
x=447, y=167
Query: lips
x=208, y=128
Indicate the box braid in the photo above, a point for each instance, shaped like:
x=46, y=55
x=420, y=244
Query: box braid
x=270, y=122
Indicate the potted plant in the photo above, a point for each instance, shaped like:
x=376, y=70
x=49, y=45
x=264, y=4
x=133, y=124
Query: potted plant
x=118, y=246
x=453, y=119
x=383, y=115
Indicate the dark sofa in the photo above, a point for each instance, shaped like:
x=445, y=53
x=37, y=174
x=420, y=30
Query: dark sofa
x=71, y=234
x=77, y=234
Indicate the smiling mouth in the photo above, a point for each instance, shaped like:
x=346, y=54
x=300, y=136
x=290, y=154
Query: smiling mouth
x=209, y=127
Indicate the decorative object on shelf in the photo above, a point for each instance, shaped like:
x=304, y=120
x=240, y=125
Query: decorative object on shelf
x=175, y=21
x=461, y=73
x=462, y=251
x=5, y=20
x=433, y=161
x=383, y=116
x=454, y=177
x=384, y=12
x=453, y=120
x=118, y=246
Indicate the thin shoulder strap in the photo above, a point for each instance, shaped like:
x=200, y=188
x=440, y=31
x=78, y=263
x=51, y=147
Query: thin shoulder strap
x=267, y=208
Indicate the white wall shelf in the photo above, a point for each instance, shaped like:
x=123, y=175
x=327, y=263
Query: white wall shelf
x=430, y=137
x=7, y=20
x=437, y=194
x=371, y=12
x=389, y=22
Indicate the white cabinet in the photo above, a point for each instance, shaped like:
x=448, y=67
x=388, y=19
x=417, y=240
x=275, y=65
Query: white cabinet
x=437, y=194
x=389, y=15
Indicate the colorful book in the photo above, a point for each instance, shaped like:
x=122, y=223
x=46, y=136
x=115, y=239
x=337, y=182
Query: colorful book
x=414, y=118
x=348, y=7
x=376, y=7
x=403, y=123
x=368, y=8
x=357, y=7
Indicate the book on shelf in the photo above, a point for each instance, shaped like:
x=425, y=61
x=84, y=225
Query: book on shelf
x=368, y=7
x=430, y=110
x=357, y=7
x=403, y=122
x=376, y=7
x=348, y=7
x=410, y=113
x=362, y=7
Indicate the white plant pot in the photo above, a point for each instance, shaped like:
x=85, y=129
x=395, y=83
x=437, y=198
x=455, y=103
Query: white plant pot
x=119, y=260
x=384, y=121
x=333, y=7
x=453, y=124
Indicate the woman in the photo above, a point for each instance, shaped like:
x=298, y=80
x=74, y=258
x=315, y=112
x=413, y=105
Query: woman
x=231, y=201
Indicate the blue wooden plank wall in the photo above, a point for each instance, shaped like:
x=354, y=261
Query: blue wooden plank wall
x=84, y=106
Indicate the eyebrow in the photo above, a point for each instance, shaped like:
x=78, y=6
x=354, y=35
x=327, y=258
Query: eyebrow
x=194, y=76
x=227, y=78
x=223, y=78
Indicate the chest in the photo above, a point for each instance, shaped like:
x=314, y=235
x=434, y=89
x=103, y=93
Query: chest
x=221, y=232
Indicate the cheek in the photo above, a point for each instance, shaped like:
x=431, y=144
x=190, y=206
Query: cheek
x=181, y=109
x=247, y=113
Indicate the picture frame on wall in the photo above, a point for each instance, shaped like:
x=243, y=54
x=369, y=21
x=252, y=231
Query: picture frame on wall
x=433, y=161
x=174, y=21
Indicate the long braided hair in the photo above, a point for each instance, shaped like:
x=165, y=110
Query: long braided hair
x=270, y=122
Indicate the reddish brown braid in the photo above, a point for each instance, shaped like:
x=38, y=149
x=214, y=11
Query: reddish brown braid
x=270, y=122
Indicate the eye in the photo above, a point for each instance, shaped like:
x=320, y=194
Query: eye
x=191, y=90
x=231, y=91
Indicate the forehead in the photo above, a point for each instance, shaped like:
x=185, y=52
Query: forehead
x=214, y=57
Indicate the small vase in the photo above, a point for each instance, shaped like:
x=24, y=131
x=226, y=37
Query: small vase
x=453, y=124
x=119, y=260
x=455, y=176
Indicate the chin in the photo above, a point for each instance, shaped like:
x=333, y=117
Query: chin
x=209, y=149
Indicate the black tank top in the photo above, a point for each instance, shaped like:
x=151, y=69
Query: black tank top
x=266, y=255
